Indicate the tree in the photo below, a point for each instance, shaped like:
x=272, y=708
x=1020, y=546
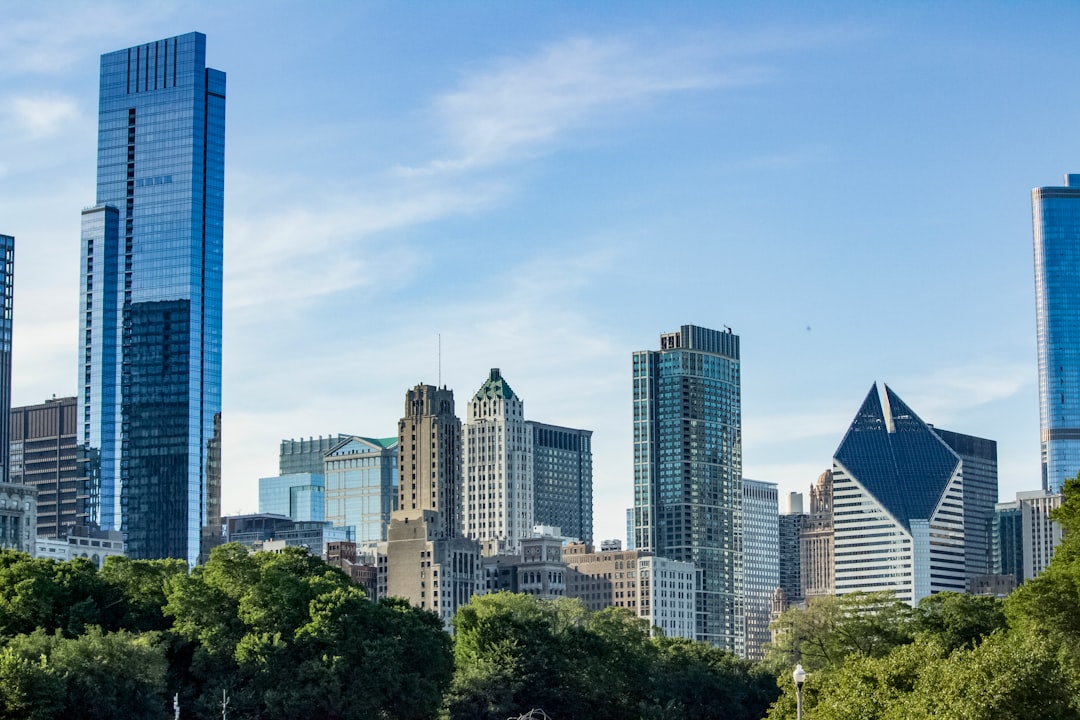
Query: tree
x=831, y=628
x=959, y=620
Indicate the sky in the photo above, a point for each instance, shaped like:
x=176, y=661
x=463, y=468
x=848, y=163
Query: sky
x=546, y=187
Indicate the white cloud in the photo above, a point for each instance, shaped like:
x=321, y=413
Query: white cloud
x=43, y=116
x=948, y=392
x=520, y=107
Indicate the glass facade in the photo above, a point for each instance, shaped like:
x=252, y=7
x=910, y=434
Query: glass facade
x=979, y=458
x=150, y=301
x=1056, y=223
x=562, y=484
x=688, y=469
x=1009, y=540
x=898, y=505
x=7, y=294
x=299, y=496
x=362, y=487
x=761, y=559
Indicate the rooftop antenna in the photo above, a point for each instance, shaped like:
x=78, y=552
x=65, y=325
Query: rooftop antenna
x=438, y=337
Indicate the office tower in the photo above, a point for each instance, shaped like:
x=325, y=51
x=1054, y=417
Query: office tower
x=362, y=487
x=7, y=290
x=299, y=496
x=498, y=496
x=306, y=456
x=688, y=469
x=150, y=301
x=761, y=558
x=1009, y=540
x=43, y=456
x=1055, y=213
x=817, y=571
x=562, y=479
x=537, y=570
x=979, y=457
x=426, y=559
x=656, y=589
x=898, y=504
x=1041, y=534
x=789, y=549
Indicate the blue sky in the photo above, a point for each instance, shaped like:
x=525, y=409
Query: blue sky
x=550, y=186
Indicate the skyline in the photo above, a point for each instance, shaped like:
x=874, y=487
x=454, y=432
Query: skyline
x=825, y=181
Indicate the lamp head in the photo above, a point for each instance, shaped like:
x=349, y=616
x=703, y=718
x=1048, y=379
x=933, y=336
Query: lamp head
x=799, y=675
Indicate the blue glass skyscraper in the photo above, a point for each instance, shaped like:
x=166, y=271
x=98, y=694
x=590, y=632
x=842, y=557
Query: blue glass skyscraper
x=150, y=302
x=688, y=494
x=1056, y=220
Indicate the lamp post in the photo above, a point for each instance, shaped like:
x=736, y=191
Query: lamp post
x=800, y=677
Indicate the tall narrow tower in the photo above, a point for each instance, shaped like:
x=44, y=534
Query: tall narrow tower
x=150, y=301
x=7, y=290
x=688, y=490
x=1056, y=222
x=499, y=482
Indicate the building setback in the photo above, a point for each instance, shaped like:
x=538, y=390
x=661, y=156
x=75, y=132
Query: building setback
x=562, y=479
x=1055, y=213
x=898, y=512
x=150, y=301
x=497, y=509
x=44, y=456
x=688, y=469
x=426, y=559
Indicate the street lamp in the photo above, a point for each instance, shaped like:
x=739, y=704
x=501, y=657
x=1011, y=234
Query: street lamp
x=800, y=677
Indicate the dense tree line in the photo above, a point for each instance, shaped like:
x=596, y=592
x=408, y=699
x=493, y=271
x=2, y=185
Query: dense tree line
x=284, y=636
x=955, y=657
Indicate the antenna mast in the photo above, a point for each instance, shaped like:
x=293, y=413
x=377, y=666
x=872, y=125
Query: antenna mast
x=439, y=348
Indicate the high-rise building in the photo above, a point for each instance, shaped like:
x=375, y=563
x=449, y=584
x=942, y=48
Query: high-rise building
x=1055, y=215
x=1009, y=540
x=150, y=301
x=497, y=508
x=817, y=571
x=297, y=496
x=790, y=555
x=761, y=558
x=43, y=456
x=426, y=559
x=979, y=457
x=362, y=487
x=688, y=469
x=1042, y=534
x=306, y=456
x=562, y=479
x=898, y=504
x=7, y=296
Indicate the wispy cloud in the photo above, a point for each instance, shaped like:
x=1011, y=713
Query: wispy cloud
x=945, y=393
x=521, y=106
x=63, y=33
x=43, y=116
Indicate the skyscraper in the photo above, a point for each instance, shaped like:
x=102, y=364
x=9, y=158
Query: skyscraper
x=688, y=469
x=150, y=301
x=898, y=513
x=817, y=571
x=426, y=559
x=497, y=507
x=761, y=560
x=7, y=296
x=562, y=479
x=44, y=456
x=979, y=457
x=1055, y=215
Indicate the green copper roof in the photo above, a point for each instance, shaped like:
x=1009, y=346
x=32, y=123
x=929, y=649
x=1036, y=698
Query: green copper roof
x=384, y=442
x=494, y=387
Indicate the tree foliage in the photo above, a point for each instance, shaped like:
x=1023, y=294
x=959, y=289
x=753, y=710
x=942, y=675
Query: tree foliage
x=515, y=652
